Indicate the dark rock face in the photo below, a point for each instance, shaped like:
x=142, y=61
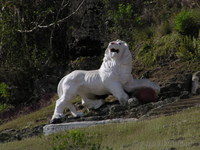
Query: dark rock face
x=180, y=85
x=86, y=47
x=111, y=110
x=85, y=63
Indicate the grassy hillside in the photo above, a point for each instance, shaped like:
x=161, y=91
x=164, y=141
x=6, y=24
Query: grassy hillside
x=34, y=58
x=181, y=131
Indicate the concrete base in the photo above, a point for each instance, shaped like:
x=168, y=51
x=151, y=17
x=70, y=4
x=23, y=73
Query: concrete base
x=54, y=128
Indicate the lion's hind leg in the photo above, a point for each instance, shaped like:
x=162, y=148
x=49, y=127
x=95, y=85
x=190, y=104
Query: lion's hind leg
x=92, y=104
x=58, y=111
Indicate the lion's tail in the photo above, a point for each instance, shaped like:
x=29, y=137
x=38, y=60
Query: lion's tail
x=59, y=88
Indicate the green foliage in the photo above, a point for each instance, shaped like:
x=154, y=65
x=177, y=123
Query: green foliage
x=4, y=90
x=123, y=19
x=135, y=21
x=27, y=56
x=163, y=45
x=189, y=49
x=159, y=50
x=74, y=140
x=187, y=22
x=164, y=29
x=168, y=48
x=4, y=96
x=123, y=14
x=4, y=107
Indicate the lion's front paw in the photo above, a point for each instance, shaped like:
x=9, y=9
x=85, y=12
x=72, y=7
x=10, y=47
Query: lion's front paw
x=58, y=118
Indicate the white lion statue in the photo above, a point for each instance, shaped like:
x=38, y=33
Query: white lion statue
x=112, y=78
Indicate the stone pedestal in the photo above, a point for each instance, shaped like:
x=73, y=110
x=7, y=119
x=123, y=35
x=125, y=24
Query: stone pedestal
x=54, y=128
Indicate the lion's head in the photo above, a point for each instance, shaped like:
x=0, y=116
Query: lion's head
x=117, y=50
x=117, y=58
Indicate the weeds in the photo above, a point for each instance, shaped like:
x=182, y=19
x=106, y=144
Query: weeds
x=159, y=50
x=75, y=140
x=4, y=95
x=4, y=107
x=4, y=90
x=189, y=49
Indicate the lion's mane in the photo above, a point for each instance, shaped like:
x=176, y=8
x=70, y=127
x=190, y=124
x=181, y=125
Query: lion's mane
x=122, y=66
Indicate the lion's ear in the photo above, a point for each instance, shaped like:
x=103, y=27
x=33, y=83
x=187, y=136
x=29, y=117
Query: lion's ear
x=126, y=44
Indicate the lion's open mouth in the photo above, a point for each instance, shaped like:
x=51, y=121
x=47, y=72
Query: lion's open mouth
x=114, y=50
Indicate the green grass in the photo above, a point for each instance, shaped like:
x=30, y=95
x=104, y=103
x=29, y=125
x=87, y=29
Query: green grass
x=179, y=131
x=36, y=143
x=31, y=120
x=34, y=119
x=160, y=133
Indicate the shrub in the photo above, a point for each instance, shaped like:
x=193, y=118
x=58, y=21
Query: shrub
x=74, y=140
x=189, y=49
x=187, y=23
x=4, y=93
x=4, y=107
x=123, y=14
x=4, y=96
x=164, y=29
x=4, y=90
x=123, y=19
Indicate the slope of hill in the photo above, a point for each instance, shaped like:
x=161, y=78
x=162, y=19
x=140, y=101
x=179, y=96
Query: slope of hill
x=179, y=131
x=174, y=79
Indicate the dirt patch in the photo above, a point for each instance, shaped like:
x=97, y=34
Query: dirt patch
x=17, y=135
